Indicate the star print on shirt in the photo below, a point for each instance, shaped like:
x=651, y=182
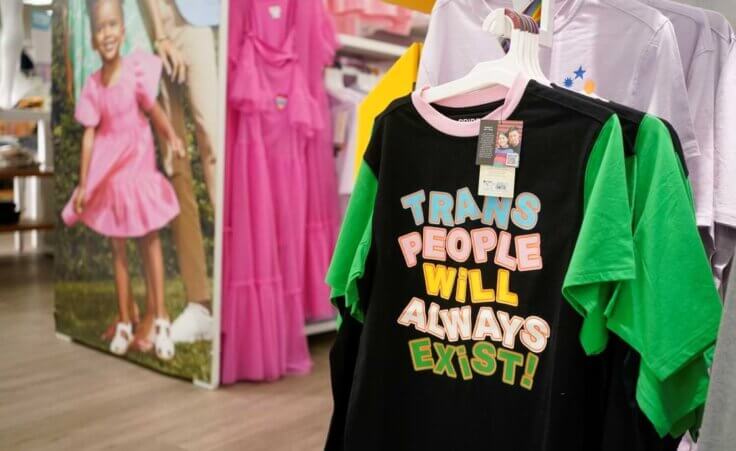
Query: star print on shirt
x=579, y=73
x=568, y=82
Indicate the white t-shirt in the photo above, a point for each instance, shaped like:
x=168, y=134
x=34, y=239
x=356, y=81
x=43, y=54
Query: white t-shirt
x=718, y=432
x=725, y=156
x=455, y=41
x=708, y=171
x=695, y=42
x=621, y=50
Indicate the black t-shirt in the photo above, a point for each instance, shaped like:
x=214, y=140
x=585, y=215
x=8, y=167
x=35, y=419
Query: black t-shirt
x=508, y=372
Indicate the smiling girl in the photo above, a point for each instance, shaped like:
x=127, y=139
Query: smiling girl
x=121, y=194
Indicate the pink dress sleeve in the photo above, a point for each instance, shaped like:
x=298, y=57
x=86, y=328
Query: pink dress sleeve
x=147, y=69
x=87, y=111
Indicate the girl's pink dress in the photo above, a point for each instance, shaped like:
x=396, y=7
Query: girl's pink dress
x=273, y=123
x=126, y=195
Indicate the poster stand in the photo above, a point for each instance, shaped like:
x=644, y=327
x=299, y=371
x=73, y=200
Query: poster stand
x=87, y=287
x=219, y=199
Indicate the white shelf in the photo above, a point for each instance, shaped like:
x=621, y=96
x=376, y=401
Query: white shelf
x=320, y=327
x=370, y=47
x=32, y=114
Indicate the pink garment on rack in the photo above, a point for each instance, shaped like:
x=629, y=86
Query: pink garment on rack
x=270, y=181
x=316, y=51
x=363, y=17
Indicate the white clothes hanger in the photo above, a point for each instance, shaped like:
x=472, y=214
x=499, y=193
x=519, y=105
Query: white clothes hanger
x=546, y=20
x=334, y=81
x=528, y=43
x=522, y=59
x=533, y=52
x=502, y=71
x=363, y=80
x=484, y=75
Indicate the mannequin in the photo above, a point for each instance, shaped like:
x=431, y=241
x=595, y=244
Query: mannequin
x=11, y=44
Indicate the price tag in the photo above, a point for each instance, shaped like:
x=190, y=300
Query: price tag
x=496, y=182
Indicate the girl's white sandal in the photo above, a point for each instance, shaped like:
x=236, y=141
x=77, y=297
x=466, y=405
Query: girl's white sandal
x=122, y=339
x=163, y=343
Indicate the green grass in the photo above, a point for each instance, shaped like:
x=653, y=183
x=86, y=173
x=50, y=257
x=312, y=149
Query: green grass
x=85, y=309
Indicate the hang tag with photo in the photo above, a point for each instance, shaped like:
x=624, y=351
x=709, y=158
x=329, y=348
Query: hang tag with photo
x=499, y=155
x=499, y=143
x=507, y=148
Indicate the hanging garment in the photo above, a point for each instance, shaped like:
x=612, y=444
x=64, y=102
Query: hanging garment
x=673, y=363
x=703, y=167
x=316, y=49
x=125, y=194
x=696, y=46
x=724, y=209
x=398, y=81
x=718, y=432
x=424, y=6
x=639, y=67
x=475, y=386
x=725, y=155
x=622, y=425
x=656, y=176
x=364, y=17
x=344, y=109
x=274, y=117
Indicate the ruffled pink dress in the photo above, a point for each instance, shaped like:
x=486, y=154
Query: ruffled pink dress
x=126, y=195
x=271, y=239
x=316, y=49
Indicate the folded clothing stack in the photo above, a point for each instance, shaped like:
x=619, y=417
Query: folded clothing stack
x=13, y=155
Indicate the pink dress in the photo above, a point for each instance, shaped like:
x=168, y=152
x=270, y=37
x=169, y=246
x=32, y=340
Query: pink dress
x=316, y=48
x=126, y=195
x=272, y=119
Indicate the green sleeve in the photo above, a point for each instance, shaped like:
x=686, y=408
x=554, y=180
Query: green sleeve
x=672, y=405
x=603, y=254
x=353, y=243
x=669, y=313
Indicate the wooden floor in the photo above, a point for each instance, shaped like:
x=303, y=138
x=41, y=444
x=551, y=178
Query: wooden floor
x=58, y=395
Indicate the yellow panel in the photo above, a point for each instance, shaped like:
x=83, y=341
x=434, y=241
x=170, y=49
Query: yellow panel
x=397, y=82
x=424, y=6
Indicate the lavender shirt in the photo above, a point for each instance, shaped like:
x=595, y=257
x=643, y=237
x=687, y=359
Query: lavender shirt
x=621, y=50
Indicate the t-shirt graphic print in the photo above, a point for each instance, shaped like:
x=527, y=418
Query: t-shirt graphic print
x=467, y=341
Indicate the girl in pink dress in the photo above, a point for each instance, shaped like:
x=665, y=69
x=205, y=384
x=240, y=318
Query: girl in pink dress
x=121, y=194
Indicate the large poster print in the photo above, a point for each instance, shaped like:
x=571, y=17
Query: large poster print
x=135, y=124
